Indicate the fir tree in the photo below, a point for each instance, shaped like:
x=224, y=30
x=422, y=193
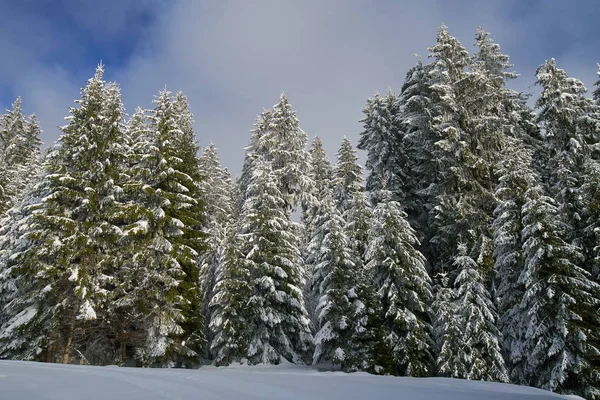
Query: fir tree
x=347, y=176
x=20, y=155
x=279, y=139
x=69, y=265
x=346, y=310
x=384, y=140
x=516, y=177
x=277, y=325
x=596, y=94
x=220, y=206
x=561, y=106
x=321, y=173
x=165, y=236
x=404, y=287
x=477, y=318
x=228, y=312
x=556, y=310
x=450, y=349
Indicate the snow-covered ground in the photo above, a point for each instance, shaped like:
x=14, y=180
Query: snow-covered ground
x=33, y=381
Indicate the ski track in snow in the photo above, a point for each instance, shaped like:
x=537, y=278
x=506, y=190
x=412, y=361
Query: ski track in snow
x=32, y=381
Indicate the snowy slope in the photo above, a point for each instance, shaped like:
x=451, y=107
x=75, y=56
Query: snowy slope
x=29, y=381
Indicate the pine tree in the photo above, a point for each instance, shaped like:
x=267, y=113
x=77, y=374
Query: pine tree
x=277, y=325
x=347, y=176
x=346, y=310
x=561, y=106
x=385, y=142
x=419, y=139
x=557, y=316
x=20, y=155
x=321, y=173
x=69, y=265
x=18, y=304
x=477, y=319
x=279, y=139
x=164, y=237
x=596, y=94
x=451, y=353
x=516, y=177
x=228, y=312
x=404, y=287
x=220, y=207
x=443, y=185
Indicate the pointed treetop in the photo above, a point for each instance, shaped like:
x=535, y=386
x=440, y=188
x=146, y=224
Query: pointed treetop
x=16, y=106
x=449, y=51
x=596, y=93
x=99, y=71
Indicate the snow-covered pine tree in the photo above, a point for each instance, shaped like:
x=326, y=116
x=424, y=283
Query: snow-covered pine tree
x=354, y=205
x=278, y=138
x=20, y=295
x=404, y=287
x=559, y=306
x=477, y=319
x=419, y=139
x=444, y=183
x=229, y=315
x=451, y=352
x=383, y=138
x=561, y=106
x=164, y=237
x=20, y=155
x=499, y=110
x=347, y=176
x=596, y=93
x=277, y=324
x=255, y=149
x=73, y=231
x=321, y=172
x=515, y=178
x=346, y=309
x=32, y=155
x=12, y=127
x=218, y=191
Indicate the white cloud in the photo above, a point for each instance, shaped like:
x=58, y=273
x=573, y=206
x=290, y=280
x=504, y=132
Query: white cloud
x=233, y=58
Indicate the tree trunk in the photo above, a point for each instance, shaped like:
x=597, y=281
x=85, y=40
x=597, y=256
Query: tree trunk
x=69, y=342
x=124, y=353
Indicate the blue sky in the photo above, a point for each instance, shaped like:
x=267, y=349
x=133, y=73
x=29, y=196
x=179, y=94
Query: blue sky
x=232, y=58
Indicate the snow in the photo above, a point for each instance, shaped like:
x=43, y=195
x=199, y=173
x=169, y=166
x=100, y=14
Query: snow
x=30, y=380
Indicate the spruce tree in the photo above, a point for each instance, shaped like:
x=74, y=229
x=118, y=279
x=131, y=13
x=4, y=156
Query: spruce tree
x=558, y=307
x=561, y=106
x=218, y=192
x=477, y=319
x=69, y=264
x=20, y=155
x=596, y=93
x=277, y=324
x=449, y=212
x=229, y=315
x=346, y=310
x=279, y=139
x=347, y=176
x=164, y=235
x=403, y=285
x=451, y=352
x=321, y=172
x=385, y=142
x=515, y=177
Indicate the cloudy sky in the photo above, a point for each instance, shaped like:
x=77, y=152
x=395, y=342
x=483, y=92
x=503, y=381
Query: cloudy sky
x=232, y=58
